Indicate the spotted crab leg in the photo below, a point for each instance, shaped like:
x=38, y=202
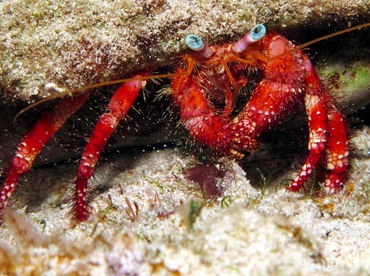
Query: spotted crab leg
x=328, y=135
x=336, y=153
x=119, y=105
x=34, y=141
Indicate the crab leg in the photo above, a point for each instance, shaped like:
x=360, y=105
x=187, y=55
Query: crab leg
x=119, y=105
x=336, y=154
x=328, y=135
x=270, y=103
x=317, y=121
x=34, y=141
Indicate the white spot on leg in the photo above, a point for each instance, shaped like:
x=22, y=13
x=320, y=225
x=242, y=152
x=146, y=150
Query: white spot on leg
x=330, y=166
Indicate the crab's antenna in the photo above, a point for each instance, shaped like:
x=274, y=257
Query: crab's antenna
x=333, y=35
x=73, y=92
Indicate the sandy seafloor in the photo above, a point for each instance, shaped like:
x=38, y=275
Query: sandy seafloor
x=261, y=230
x=146, y=217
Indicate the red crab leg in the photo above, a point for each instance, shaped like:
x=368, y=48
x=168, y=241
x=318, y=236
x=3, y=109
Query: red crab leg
x=336, y=154
x=327, y=132
x=270, y=102
x=317, y=121
x=119, y=105
x=34, y=140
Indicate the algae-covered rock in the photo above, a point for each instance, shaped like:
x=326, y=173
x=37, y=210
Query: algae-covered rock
x=52, y=46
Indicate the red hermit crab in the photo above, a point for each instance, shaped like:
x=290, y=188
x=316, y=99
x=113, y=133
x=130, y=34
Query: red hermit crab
x=206, y=90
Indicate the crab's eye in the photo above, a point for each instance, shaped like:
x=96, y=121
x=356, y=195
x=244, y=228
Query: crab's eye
x=254, y=35
x=196, y=44
x=258, y=32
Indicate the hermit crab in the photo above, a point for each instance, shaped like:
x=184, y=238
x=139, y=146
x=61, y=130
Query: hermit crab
x=206, y=87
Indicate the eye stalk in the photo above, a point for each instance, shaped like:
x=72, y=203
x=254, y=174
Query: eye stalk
x=196, y=44
x=254, y=35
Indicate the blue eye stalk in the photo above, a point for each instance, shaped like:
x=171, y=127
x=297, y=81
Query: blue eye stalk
x=254, y=35
x=196, y=44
